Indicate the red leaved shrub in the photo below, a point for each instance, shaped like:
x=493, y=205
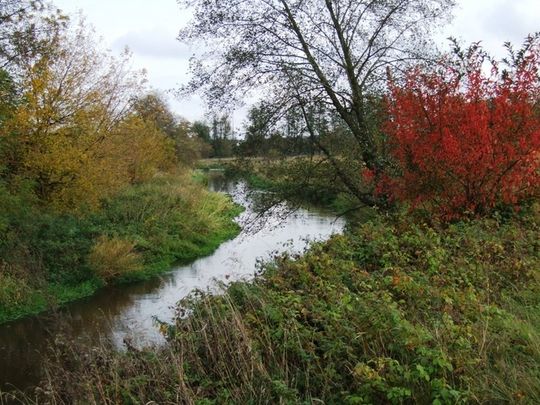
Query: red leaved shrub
x=466, y=133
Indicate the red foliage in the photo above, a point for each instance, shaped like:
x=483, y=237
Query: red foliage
x=466, y=139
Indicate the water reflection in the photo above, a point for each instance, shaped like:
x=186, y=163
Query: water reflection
x=122, y=312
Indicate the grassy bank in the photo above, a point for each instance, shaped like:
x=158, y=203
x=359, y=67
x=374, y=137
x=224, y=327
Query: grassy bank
x=392, y=312
x=48, y=259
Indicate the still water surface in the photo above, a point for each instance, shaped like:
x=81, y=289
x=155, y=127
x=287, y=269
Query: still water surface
x=129, y=311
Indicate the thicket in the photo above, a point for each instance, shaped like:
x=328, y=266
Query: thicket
x=465, y=133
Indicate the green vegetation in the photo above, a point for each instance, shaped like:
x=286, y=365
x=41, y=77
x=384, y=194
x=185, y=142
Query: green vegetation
x=392, y=312
x=50, y=259
x=172, y=221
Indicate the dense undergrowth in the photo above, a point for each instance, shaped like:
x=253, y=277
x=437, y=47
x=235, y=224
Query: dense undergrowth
x=49, y=258
x=394, y=311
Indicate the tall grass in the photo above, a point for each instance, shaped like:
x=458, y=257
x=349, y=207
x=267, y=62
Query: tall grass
x=171, y=219
x=111, y=258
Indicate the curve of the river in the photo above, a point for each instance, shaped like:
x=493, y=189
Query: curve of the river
x=129, y=311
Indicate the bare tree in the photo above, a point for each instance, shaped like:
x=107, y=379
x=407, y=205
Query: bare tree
x=312, y=55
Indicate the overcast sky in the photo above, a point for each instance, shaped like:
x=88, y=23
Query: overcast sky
x=149, y=29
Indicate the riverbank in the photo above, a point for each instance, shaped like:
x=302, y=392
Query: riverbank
x=300, y=180
x=391, y=312
x=140, y=232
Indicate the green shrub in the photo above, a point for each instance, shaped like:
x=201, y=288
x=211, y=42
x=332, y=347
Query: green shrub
x=63, y=244
x=18, y=228
x=41, y=243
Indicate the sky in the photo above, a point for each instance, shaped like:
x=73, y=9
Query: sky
x=150, y=28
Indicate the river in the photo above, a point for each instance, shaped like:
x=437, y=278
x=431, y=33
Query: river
x=129, y=311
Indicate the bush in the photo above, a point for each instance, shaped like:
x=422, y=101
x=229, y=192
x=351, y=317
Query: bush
x=63, y=243
x=18, y=229
x=112, y=258
x=43, y=244
x=466, y=141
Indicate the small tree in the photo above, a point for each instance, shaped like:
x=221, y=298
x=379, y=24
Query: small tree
x=202, y=131
x=467, y=138
x=66, y=122
x=153, y=107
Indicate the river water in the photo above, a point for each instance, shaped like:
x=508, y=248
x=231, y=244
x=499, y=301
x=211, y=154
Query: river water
x=129, y=311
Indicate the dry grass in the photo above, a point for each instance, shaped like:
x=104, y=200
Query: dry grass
x=111, y=258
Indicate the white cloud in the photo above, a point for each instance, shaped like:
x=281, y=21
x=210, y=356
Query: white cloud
x=155, y=43
x=494, y=22
x=150, y=29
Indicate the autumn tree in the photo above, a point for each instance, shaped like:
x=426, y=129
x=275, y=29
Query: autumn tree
x=190, y=146
x=153, y=107
x=12, y=16
x=74, y=98
x=26, y=30
x=154, y=110
x=8, y=96
x=136, y=150
x=466, y=133
x=308, y=55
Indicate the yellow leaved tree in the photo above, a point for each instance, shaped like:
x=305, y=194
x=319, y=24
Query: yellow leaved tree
x=74, y=134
